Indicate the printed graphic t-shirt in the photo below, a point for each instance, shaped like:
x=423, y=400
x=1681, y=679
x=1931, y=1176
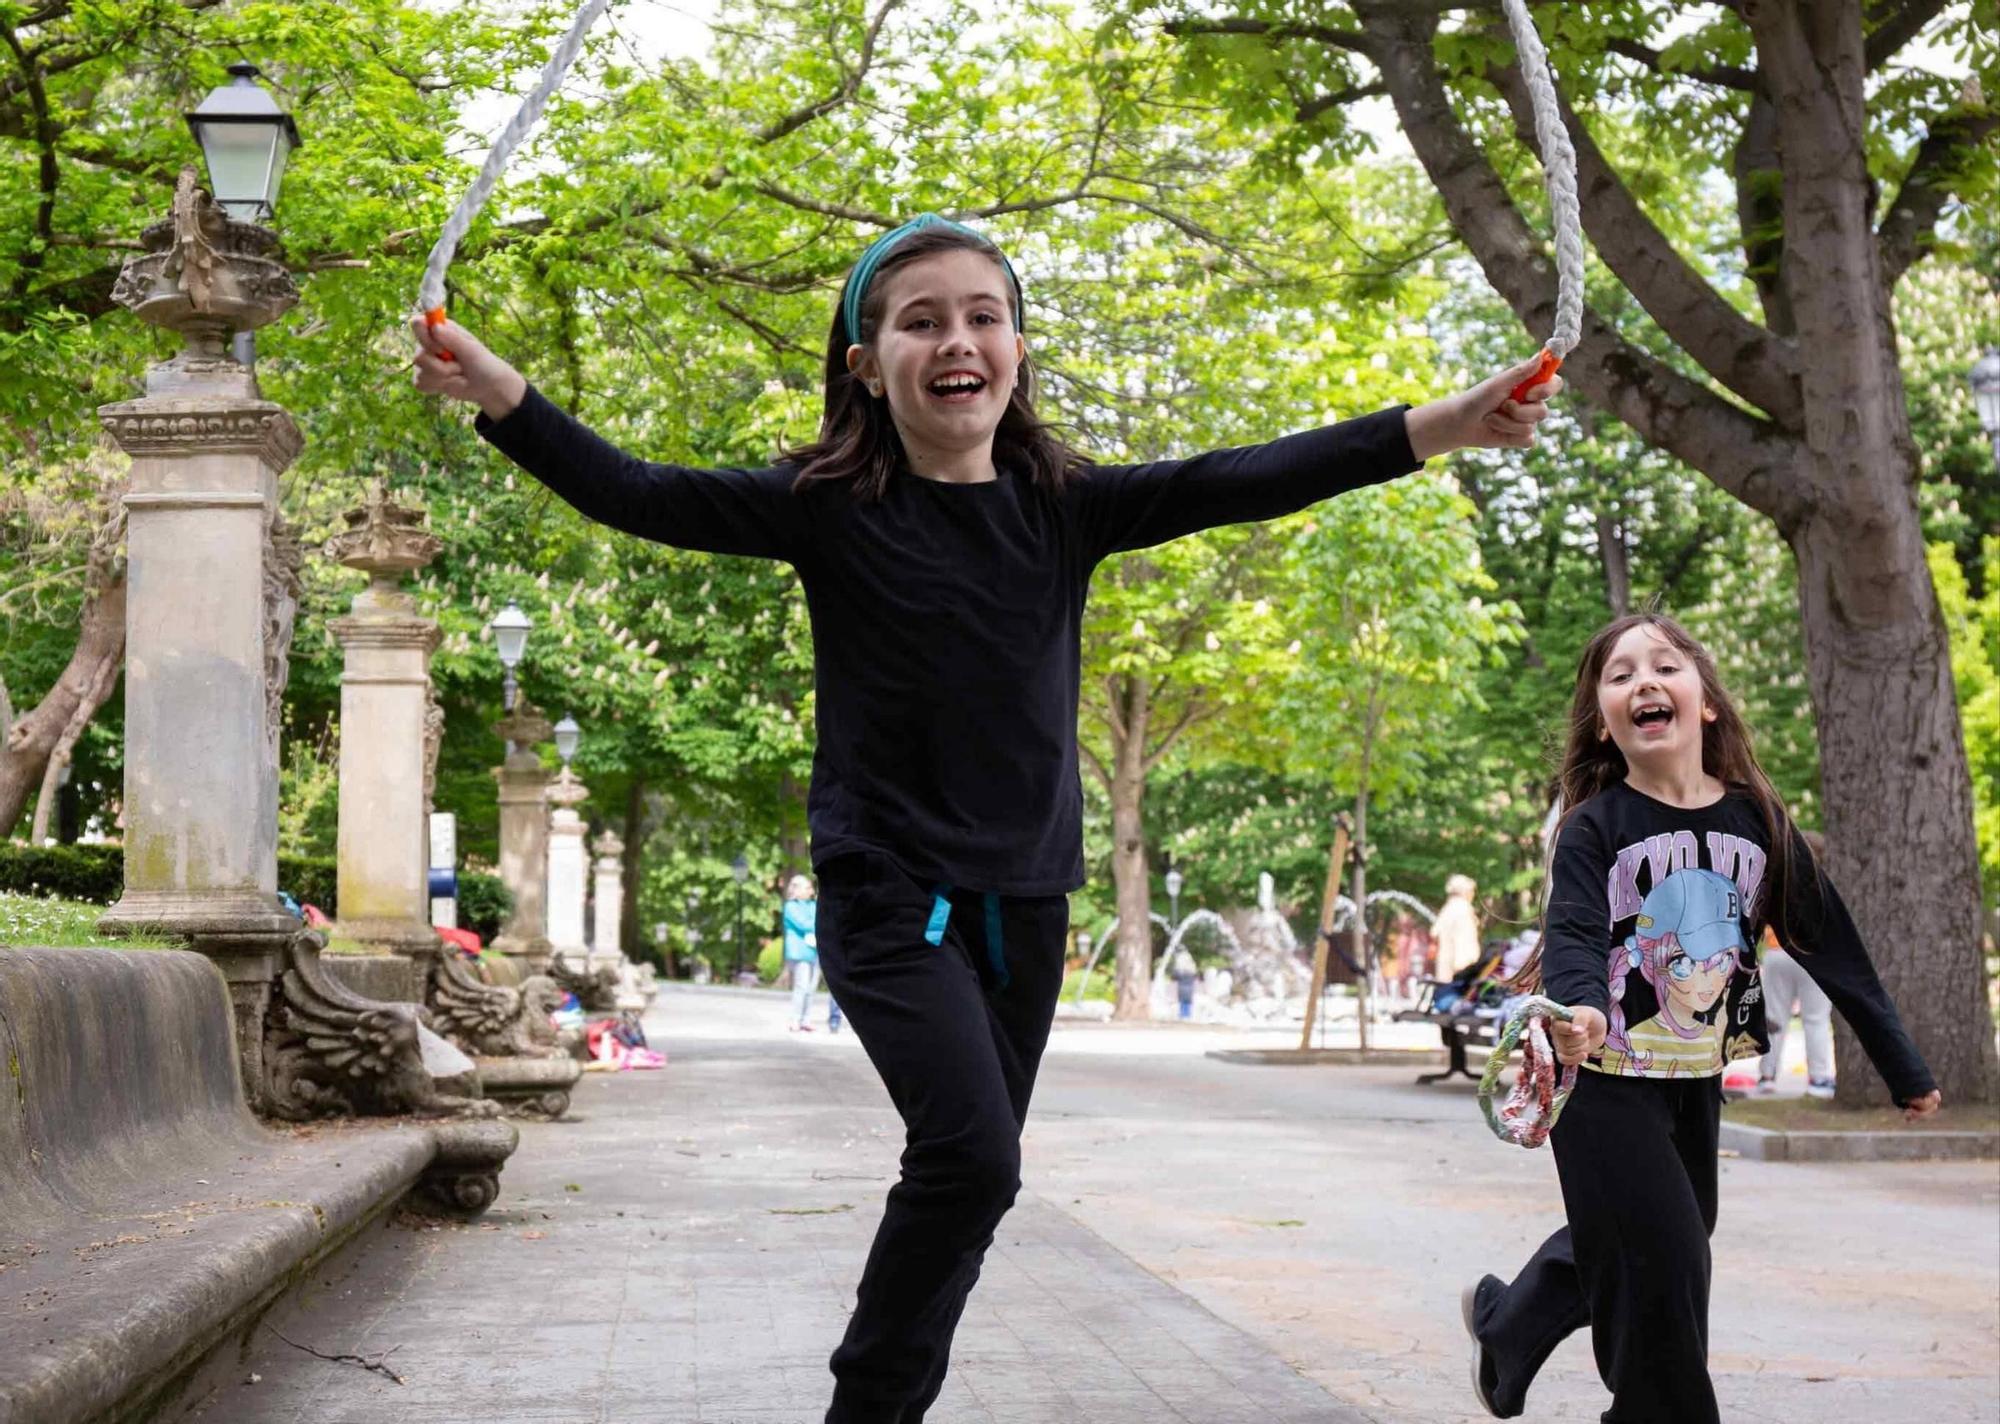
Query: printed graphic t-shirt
x=1655, y=912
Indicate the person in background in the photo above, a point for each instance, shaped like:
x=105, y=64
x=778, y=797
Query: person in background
x=1186, y=976
x=1457, y=929
x=1786, y=984
x=802, y=948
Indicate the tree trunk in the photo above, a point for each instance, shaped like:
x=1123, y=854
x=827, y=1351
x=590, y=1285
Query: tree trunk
x=1617, y=562
x=1128, y=859
x=1830, y=460
x=1360, y=895
x=793, y=846
x=1897, y=789
x=633, y=936
x=83, y=687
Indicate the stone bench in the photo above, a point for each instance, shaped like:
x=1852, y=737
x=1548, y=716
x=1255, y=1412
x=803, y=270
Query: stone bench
x=145, y=1214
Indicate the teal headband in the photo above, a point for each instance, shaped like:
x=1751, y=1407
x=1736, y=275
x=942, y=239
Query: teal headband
x=863, y=275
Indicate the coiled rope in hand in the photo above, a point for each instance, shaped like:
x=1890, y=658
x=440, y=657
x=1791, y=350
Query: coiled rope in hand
x=1528, y=1114
x=430, y=293
x=1559, y=165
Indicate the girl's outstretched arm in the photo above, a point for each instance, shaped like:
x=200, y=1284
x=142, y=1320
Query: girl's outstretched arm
x=751, y=512
x=1830, y=950
x=471, y=372
x=1485, y=417
x=1123, y=507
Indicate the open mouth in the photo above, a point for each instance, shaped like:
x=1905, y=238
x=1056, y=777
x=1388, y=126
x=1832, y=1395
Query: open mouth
x=957, y=386
x=1653, y=715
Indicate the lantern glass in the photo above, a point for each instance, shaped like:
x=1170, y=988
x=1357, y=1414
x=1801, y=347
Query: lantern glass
x=568, y=735
x=510, y=632
x=740, y=868
x=1985, y=377
x=247, y=141
x=1174, y=883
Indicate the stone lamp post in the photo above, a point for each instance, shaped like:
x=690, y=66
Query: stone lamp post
x=384, y=705
x=524, y=836
x=212, y=589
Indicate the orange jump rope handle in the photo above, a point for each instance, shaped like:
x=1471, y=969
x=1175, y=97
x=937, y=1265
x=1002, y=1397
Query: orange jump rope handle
x=1549, y=364
x=434, y=318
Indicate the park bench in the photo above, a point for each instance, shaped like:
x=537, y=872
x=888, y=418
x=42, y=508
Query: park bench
x=146, y=1216
x=1464, y=1026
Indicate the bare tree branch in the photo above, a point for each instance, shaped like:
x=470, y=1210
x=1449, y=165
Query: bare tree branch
x=1723, y=76
x=1237, y=25
x=1751, y=458
x=1759, y=367
x=1927, y=187
x=1900, y=23
x=1339, y=99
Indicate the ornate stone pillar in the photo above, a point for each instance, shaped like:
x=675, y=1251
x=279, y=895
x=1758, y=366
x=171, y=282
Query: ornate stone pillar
x=212, y=580
x=524, y=836
x=610, y=899
x=569, y=869
x=208, y=609
x=384, y=706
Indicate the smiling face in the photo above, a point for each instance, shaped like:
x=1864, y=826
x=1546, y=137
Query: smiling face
x=945, y=354
x=1649, y=701
x=1691, y=986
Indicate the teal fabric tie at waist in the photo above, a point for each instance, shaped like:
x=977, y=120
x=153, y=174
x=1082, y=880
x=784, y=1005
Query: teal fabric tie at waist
x=996, y=954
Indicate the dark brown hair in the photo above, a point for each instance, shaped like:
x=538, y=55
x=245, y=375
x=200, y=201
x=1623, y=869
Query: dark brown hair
x=1591, y=762
x=858, y=439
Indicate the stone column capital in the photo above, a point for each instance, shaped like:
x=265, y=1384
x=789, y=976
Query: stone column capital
x=386, y=630
x=191, y=426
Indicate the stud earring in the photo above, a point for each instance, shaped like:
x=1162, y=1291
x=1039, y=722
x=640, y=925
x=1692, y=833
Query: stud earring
x=874, y=388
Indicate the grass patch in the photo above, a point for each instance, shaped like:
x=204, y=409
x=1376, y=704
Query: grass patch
x=64, y=924
x=1819, y=1115
x=1103, y=984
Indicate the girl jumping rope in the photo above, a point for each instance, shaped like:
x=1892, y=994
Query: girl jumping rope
x=1673, y=852
x=945, y=539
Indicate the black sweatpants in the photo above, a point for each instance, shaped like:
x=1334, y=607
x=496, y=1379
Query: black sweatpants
x=956, y=1028
x=1637, y=1159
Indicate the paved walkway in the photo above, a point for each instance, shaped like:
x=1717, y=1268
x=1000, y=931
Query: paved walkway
x=1200, y=1241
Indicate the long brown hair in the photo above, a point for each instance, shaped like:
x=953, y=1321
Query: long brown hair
x=1591, y=762
x=858, y=439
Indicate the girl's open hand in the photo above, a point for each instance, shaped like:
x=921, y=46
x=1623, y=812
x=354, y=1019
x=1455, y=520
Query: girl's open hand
x=469, y=373
x=1485, y=417
x=1922, y=1107
x=1582, y=1036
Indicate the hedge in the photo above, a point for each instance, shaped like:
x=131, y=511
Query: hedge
x=95, y=875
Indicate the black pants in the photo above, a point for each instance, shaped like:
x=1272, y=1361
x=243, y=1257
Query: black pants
x=1637, y=1160
x=956, y=1028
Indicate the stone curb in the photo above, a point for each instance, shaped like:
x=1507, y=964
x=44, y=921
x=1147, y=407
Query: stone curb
x=1349, y=1057
x=1765, y=1144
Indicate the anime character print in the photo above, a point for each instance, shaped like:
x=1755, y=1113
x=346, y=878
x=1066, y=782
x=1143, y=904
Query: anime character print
x=1671, y=975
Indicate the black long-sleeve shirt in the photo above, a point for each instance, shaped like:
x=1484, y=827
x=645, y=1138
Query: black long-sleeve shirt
x=947, y=617
x=1653, y=918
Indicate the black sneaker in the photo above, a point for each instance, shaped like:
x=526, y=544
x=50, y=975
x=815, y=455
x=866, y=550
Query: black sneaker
x=1485, y=1375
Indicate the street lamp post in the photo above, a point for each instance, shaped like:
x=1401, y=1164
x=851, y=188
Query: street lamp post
x=510, y=637
x=740, y=869
x=245, y=139
x=1985, y=377
x=568, y=735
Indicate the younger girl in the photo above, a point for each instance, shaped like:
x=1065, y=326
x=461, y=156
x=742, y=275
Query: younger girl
x=944, y=539
x=1672, y=854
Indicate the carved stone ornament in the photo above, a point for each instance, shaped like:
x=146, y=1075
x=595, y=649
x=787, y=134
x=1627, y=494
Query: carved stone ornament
x=525, y=726
x=329, y=1052
x=488, y=1019
x=608, y=847
x=566, y=791
x=283, y=557
x=201, y=427
x=595, y=989
x=205, y=275
x=433, y=742
x=384, y=540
